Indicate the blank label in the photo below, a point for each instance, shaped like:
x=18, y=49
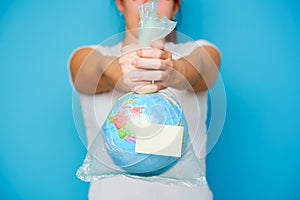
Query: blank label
x=159, y=139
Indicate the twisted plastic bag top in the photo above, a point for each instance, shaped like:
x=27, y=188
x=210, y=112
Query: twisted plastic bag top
x=152, y=27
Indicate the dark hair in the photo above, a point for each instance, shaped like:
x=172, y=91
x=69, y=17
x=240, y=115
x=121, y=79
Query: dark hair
x=172, y=37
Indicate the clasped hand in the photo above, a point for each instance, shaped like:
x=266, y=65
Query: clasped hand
x=147, y=69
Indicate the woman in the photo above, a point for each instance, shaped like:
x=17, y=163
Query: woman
x=183, y=68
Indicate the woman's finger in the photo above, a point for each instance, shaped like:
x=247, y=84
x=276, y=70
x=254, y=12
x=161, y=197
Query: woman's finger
x=149, y=53
x=126, y=68
x=132, y=84
x=128, y=58
x=155, y=75
x=165, y=55
x=154, y=53
x=159, y=44
x=153, y=64
x=144, y=89
x=148, y=63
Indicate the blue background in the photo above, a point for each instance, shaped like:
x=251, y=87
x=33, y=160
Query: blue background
x=257, y=155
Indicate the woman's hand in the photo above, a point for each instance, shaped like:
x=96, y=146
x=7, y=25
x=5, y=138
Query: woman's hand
x=149, y=69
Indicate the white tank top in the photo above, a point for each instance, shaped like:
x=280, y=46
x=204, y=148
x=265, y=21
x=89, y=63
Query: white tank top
x=95, y=109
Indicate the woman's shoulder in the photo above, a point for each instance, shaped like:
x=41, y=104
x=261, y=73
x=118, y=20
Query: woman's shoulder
x=189, y=44
x=185, y=48
x=114, y=50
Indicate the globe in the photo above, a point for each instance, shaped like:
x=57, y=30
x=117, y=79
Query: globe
x=133, y=110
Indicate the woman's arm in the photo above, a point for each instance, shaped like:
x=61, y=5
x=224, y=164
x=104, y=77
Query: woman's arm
x=93, y=73
x=200, y=68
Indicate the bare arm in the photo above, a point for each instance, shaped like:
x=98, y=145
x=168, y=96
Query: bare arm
x=200, y=68
x=93, y=73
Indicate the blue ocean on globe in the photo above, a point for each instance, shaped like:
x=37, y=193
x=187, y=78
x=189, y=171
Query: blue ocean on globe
x=128, y=112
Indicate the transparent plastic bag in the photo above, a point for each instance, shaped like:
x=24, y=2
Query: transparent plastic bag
x=112, y=153
x=152, y=27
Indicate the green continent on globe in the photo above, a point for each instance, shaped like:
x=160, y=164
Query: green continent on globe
x=123, y=120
